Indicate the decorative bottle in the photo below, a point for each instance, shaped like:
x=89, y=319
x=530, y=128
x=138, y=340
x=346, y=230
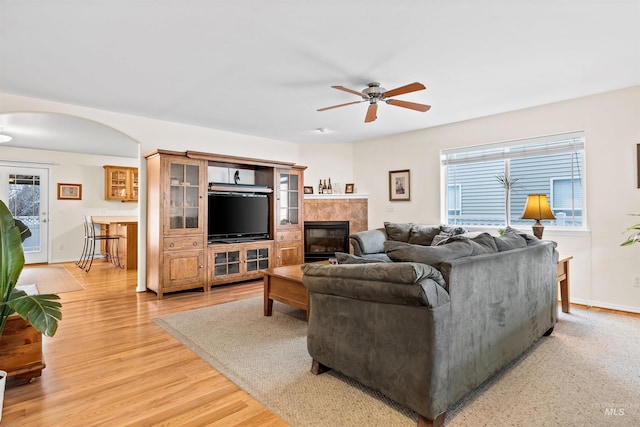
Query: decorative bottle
x=324, y=187
x=320, y=187
x=329, y=189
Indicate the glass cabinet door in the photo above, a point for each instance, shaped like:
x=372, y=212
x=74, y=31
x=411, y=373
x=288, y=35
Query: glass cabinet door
x=288, y=209
x=257, y=259
x=134, y=184
x=118, y=183
x=184, y=196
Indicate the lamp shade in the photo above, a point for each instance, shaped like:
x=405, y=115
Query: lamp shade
x=537, y=207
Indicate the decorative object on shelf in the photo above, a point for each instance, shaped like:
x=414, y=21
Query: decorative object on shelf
x=399, y=186
x=537, y=207
x=69, y=191
x=308, y=190
x=349, y=188
x=337, y=188
x=320, y=187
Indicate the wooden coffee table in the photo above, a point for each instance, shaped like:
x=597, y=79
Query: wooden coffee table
x=284, y=284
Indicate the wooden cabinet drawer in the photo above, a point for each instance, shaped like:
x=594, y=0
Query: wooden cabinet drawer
x=282, y=236
x=183, y=243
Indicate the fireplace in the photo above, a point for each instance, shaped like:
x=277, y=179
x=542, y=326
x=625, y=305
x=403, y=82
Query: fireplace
x=322, y=239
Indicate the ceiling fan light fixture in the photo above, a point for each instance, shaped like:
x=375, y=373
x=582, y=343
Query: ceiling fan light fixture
x=374, y=93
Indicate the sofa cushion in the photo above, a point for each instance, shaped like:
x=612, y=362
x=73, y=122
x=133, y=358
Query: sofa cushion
x=345, y=258
x=369, y=241
x=430, y=255
x=529, y=238
x=482, y=243
x=423, y=234
x=398, y=232
x=510, y=240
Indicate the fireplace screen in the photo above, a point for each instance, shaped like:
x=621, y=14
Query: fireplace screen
x=322, y=239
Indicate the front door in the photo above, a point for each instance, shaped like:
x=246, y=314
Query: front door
x=25, y=192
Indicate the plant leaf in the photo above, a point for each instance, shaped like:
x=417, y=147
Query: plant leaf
x=11, y=260
x=42, y=311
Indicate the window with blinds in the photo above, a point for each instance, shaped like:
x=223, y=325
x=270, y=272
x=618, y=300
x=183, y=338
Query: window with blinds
x=488, y=185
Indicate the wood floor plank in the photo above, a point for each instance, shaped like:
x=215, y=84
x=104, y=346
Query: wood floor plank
x=109, y=364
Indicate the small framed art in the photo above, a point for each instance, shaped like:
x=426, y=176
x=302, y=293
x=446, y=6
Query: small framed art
x=399, y=185
x=69, y=191
x=348, y=188
x=308, y=190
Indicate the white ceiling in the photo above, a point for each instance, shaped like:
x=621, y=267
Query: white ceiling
x=264, y=67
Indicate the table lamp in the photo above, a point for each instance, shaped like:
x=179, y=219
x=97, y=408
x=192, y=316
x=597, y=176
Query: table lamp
x=537, y=207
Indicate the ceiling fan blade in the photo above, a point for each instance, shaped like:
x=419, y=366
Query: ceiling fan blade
x=411, y=87
x=346, y=89
x=371, y=113
x=336, y=106
x=406, y=104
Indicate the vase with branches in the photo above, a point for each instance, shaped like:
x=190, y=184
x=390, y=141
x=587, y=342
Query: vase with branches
x=634, y=237
x=508, y=184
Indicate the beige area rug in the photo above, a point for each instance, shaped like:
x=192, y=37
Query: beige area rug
x=586, y=373
x=48, y=280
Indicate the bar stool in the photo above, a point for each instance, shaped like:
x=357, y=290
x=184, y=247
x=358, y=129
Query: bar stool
x=90, y=238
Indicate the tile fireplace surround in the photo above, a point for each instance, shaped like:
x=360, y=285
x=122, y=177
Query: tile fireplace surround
x=345, y=207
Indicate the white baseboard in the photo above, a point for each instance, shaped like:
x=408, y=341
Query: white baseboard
x=607, y=305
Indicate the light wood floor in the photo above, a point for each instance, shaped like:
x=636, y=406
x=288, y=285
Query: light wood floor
x=110, y=365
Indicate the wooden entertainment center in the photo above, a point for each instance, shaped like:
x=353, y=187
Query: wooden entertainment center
x=179, y=256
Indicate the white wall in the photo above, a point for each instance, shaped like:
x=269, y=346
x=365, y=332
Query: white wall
x=326, y=161
x=65, y=223
x=602, y=272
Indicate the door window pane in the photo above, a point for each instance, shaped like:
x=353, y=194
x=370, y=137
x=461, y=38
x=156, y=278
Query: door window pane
x=24, y=204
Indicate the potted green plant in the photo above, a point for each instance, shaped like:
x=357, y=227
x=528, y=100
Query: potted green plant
x=634, y=237
x=41, y=311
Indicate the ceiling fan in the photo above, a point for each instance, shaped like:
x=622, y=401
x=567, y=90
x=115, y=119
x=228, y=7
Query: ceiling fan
x=374, y=94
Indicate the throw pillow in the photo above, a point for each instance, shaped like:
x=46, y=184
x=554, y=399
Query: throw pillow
x=398, y=232
x=345, y=258
x=451, y=229
x=440, y=238
x=430, y=255
x=510, y=240
x=423, y=234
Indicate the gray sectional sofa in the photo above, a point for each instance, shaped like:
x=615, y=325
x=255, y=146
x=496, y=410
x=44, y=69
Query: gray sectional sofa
x=435, y=322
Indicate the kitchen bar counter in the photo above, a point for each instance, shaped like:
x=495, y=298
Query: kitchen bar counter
x=126, y=227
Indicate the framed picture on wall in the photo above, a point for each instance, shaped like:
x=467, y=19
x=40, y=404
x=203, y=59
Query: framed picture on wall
x=69, y=191
x=348, y=188
x=308, y=190
x=399, y=186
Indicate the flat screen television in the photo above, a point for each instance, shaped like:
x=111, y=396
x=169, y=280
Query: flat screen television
x=238, y=216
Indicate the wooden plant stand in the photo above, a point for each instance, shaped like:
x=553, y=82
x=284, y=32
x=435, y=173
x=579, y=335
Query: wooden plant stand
x=21, y=350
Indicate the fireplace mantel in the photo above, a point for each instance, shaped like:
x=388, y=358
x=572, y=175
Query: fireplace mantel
x=335, y=196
